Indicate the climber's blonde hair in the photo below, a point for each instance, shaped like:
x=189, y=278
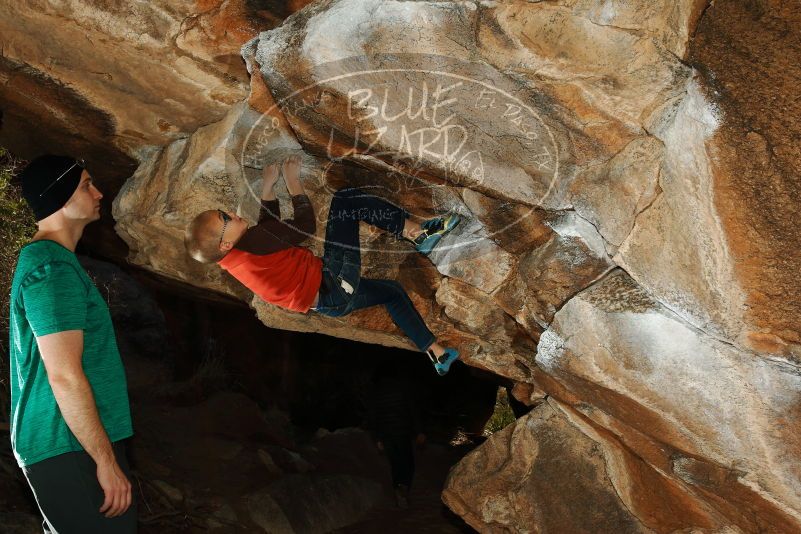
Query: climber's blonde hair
x=202, y=238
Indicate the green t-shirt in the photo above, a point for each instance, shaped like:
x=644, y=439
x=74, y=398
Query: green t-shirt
x=51, y=292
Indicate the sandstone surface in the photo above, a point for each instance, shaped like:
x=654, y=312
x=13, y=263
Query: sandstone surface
x=552, y=472
x=124, y=75
x=755, y=160
x=705, y=401
x=627, y=177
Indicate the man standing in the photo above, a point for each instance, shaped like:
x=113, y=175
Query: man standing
x=393, y=418
x=69, y=400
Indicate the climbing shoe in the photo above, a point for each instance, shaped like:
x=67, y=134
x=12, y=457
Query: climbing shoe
x=443, y=363
x=433, y=230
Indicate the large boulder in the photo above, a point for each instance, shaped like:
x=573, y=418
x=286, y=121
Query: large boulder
x=622, y=174
x=551, y=472
x=709, y=406
x=626, y=172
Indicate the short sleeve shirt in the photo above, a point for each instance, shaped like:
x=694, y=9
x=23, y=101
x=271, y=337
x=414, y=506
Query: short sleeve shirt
x=50, y=293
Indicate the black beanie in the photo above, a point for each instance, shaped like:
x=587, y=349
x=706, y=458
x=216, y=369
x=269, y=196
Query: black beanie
x=48, y=182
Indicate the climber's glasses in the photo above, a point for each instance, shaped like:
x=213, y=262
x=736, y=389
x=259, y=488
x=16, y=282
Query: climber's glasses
x=79, y=163
x=226, y=219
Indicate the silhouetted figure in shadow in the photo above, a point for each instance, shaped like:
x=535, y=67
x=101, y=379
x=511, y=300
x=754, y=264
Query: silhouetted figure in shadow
x=393, y=419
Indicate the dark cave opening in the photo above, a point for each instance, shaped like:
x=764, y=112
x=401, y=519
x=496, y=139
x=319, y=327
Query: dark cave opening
x=186, y=348
x=319, y=380
x=323, y=384
x=227, y=411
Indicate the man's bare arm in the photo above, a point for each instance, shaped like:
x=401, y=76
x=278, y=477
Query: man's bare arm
x=62, y=354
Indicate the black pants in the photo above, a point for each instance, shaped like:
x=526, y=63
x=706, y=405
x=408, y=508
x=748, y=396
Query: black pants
x=70, y=497
x=400, y=453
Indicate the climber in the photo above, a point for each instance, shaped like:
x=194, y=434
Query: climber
x=268, y=260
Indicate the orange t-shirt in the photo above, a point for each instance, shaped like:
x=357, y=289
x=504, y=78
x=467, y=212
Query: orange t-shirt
x=267, y=260
x=289, y=278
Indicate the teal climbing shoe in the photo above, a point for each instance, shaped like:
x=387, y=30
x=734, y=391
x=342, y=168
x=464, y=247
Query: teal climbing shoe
x=443, y=363
x=434, y=230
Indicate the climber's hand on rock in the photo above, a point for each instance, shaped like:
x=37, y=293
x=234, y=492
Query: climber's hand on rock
x=291, y=168
x=270, y=175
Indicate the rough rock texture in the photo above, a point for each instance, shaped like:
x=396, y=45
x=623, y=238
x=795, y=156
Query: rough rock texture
x=640, y=363
x=140, y=73
x=566, y=478
x=220, y=165
x=756, y=158
x=627, y=173
x=302, y=503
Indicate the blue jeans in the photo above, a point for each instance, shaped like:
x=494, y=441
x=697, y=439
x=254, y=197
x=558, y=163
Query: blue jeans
x=342, y=263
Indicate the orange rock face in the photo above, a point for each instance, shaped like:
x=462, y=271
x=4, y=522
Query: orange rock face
x=148, y=73
x=642, y=366
x=757, y=158
x=567, y=476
